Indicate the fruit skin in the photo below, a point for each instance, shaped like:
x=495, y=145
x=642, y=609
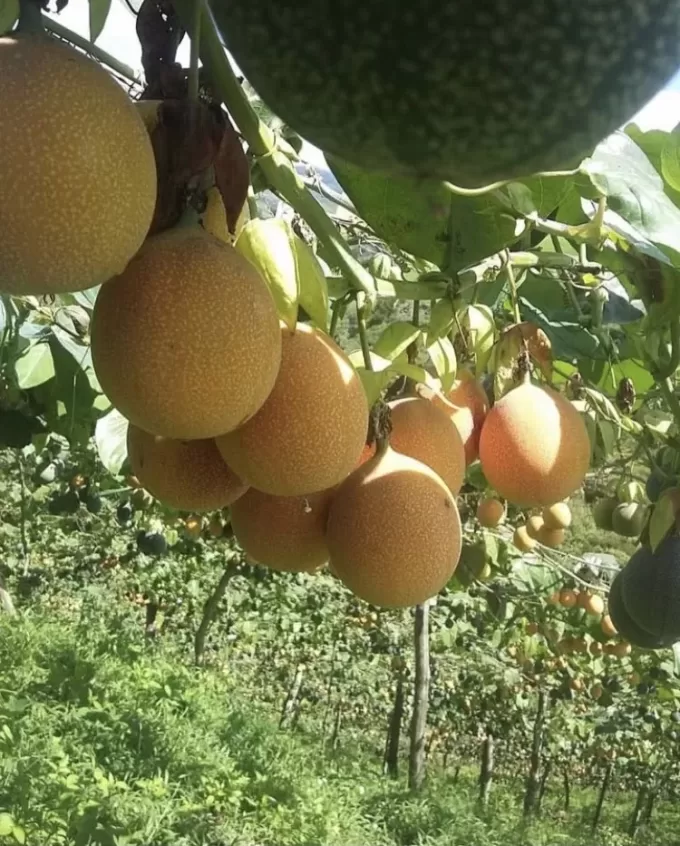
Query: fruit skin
x=603, y=512
x=426, y=433
x=534, y=525
x=650, y=588
x=490, y=513
x=186, y=475
x=394, y=532
x=80, y=209
x=310, y=432
x=473, y=564
x=624, y=623
x=608, y=627
x=186, y=343
x=285, y=533
x=591, y=603
x=421, y=114
x=628, y=519
x=523, y=540
x=557, y=516
x=467, y=405
x=550, y=537
x=568, y=598
x=534, y=446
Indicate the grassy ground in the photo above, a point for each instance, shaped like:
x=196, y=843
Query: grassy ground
x=108, y=740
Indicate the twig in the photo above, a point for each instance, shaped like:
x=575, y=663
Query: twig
x=211, y=606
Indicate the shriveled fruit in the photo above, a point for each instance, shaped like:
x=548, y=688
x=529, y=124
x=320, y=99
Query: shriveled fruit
x=550, y=537
x=467, y=405
x=568, y=598
x=650, y=588
x=625, y=625
x=534, y=446
x=534, y=525
x=523, y=540
x=603, y=512
x=283, y=532
x=557, y=516
x=77, y=172
x=186, y=475
x=186, y=342
x=394, y=532
x=469, y=111
x=310, y=432
x=628, y=519
x=490, y=513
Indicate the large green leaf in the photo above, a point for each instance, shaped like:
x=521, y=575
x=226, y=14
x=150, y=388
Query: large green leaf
x=621, y=171
x=569, y=339
x=35, y=366
x=110, y=436
x=661, y=149
x=99, y=12
x=424, y=218
x=9, y=12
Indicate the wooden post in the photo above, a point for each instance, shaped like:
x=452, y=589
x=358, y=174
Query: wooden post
x=416, y=770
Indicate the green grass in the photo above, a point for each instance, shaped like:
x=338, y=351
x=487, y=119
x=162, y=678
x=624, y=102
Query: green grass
x=108, y=739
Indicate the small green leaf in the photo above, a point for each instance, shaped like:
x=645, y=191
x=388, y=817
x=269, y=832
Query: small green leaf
x=35, y=366
x=396, y=339
x=441, y=320
x=478, y=323
x=312, y=284
x=662, y=519
x=6, y=825
x=110, y=436
x=19, y=834
x=268, y=245
x=443, y=357
x=670, y=161
x=99, y=12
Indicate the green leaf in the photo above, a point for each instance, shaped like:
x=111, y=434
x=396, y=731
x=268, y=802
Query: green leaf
x=425, y=219
x=110, y=436
x=99, y=12
x=9, y=12
x=35, y=366
x=441, y=319
x=663, y=517
x=443, y=357
x=478, y=323
x=621, y=171
x=396, y=339
x=268, y=245
x=19, y=834
x=6, y=825
x=312, y=284
x=670, y=161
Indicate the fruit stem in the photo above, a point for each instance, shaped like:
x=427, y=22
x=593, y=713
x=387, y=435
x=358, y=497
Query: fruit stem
x=276, y=166
x=30, y=16
x=363, y=337
x=513, y=287
x=336, y=308
x=667, y=370
x=193, y=86
x=380, y=426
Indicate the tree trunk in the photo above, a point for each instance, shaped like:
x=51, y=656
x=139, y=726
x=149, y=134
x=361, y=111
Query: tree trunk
x=210, y=609
x=456, y=773
x=533, y=783
x=567, y=791
x=335, y=737
x=391, y=760
x=416, y=769
x=288, y=710
x=486, y=771
x=544, y=785
x=647, y=817
x=637, y=811
x=601, y=797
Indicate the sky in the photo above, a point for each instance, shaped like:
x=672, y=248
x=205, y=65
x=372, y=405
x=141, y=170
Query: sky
x=119, y=39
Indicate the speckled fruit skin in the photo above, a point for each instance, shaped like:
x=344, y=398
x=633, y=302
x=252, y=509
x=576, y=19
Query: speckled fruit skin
x=394, y=532
x=283, y=532
x=77, y=171
x=310, y=432
x=534, y=447
x=186, y=475
x=186, y=343
x=467, y=405
x=461, y=90
x=426, y=433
